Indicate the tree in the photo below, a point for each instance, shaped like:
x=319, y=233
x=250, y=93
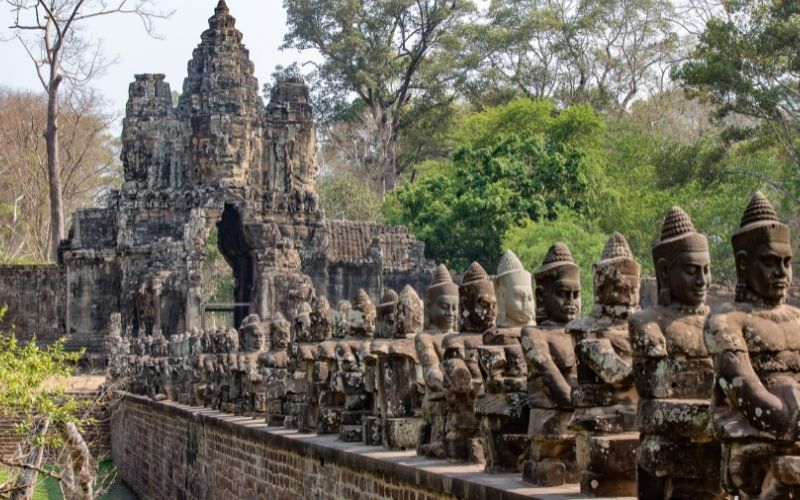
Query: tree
x=33, y=387
x=49, y=31
x=498, y=180
x=345, y=196
x=89, y=166
x=748, y=63
x=606, y=52
x=382, y=56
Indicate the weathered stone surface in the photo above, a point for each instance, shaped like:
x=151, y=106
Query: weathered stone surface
x=604, y=397
x=503, y=407
x=462, y=376
x=552, y=371
x=219, y=157
x=754, y=342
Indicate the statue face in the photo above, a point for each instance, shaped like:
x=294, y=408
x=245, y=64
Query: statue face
x=519, y=304
x=480, y=305
x=443, y=311
x=255, y=338
x=767, y=270
x=689, y=278
x=384, y=325
x=620, y=288
x=562, y=301
x=280, y=338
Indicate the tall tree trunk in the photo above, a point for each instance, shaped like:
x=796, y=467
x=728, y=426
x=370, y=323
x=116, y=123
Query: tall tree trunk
x=26, y=481
x=53, y=169
x=388, y=136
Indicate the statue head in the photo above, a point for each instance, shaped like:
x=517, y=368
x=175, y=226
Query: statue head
x=478, y=301
x=616, y=275
x=514, y=290
x=408, y=313
x=763, y=254
x=160, y=345
x=385, y=314
x=279, y=333
x=682, y=262
x=231, y=337
x=115, y=326
x=301, y=323
x=341, y=319
x=441, y=301
x=252, y=334
x=558, y=287
x=321, y=320
x=362, y=316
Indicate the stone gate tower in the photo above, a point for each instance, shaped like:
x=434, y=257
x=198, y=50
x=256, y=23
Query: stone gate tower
x=220, y=157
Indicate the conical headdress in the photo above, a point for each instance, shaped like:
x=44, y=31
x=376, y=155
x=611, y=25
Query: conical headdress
x=509, y=263
x=616, y=247
x=677, y=236
x=617, y=254
x=558, y=256
x=442, y=284
x=388, y=301
x=362, y=302
x=476, y=272
x=759, y=224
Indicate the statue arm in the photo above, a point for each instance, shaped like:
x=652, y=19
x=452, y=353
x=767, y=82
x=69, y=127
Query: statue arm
x=539, y=358
x=764, y=410
x=429, y=358
x=647, y=338
x=599, y=355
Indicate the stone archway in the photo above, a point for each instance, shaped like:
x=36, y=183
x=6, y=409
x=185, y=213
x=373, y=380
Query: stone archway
x=240, y=256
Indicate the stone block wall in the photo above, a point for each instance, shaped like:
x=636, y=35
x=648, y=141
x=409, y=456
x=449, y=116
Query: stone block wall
x=36, y=297
x=165, y=450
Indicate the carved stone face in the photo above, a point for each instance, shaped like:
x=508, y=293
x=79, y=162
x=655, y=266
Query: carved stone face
x=408, y=316
x=515, y=297
x=253, y=337
x=280, y=335
x=384, y=322
x=443, y=312
x=617, y=285
x=688, y=277
x=767, y=270
x=479, y=305
x=561, y=300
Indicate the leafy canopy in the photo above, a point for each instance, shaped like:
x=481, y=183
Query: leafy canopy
x=514, y=163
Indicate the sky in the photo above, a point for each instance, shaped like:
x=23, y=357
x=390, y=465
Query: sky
x=262, y=22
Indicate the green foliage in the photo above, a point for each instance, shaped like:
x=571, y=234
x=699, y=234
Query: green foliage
x=344, y=196
x=646, y=175
x=514, y=163
x=497, y=180
x=748, y=63
x=31, y=383
x=531, y=241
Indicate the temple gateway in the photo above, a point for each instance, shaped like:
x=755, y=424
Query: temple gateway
x=218, y=159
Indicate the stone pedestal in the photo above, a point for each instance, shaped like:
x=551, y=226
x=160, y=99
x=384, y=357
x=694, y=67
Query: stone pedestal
x=373, y=431
x=552, y=454
x=401, y=433
x=607, y=464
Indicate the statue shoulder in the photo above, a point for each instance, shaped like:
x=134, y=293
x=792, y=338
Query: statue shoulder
x=646, y=318
x=723, y=328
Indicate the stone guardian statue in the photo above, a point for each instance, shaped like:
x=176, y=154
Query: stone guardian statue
x=552, y=370
x=755, y=342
